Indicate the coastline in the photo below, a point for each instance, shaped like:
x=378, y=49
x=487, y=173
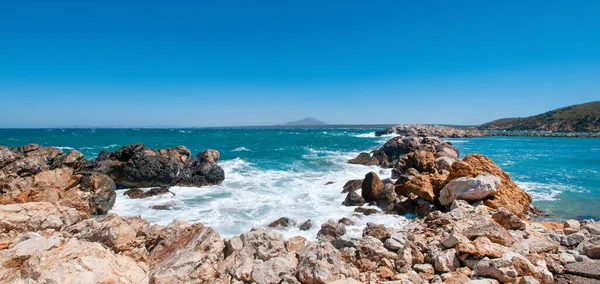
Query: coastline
x=418, y=252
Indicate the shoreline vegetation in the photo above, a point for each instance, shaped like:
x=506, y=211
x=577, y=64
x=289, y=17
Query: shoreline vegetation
x=471, y=222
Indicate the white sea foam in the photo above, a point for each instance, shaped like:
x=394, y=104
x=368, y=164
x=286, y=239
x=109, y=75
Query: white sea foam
x=110, y=146
x=546, y=192
x=365, y=135
x=253, y=197
x=63, y=147
x=240, y=149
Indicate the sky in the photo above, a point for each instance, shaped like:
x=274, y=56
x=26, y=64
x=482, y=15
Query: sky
x=231, y=63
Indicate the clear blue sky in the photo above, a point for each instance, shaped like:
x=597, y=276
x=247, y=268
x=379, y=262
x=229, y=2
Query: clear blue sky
x=218, y=63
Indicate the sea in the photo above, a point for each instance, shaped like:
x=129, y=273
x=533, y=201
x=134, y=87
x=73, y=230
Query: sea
x=298, y=173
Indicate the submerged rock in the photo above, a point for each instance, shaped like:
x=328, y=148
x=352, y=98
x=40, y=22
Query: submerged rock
x=136, y=193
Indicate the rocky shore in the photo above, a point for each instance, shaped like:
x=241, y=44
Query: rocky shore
x=471, y=224
x=454, y=132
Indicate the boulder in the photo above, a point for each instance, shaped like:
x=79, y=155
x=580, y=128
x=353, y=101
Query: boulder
x=135, y=165
x=202, y=170
x=446, y=261
x=330, y=231
x=353, y=199
x=479, y=248
x=421, y=160
x=444, y=163
x=352, y=185
x=377, y=231
x=319, y=263
x=508, y=220
x=420, y=185
x=469, y=189
x=136, y=193
x=364, y=159
x=282, y=222
x=508, y=195
x=307, y=225
x=265, y=244
x=372, y=187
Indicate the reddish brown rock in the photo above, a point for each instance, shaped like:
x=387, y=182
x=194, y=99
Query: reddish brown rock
x=509, y=194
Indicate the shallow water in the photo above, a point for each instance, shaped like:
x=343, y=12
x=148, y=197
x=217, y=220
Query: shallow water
x=272, y=173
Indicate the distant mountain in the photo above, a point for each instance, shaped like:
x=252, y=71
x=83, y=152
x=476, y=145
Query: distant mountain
x=309, y=121
x=575, y=118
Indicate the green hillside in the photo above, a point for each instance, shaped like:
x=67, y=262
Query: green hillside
x=575, y=118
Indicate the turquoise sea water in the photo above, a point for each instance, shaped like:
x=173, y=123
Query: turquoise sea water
x=271, y=173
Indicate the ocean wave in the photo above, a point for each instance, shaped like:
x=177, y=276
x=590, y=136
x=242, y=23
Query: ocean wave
x=110, y=146
x=251, y=196
x=365, y=135
x=457, y=141
x=546, y=192
x=63, y=147
x=240, y=149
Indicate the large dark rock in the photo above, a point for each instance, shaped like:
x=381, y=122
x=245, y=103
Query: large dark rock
x=201, y=170
x=136, y=193
x=135, y=165
x=102, y=191
x=364, y=159
x=353, y=199
x=372, y=187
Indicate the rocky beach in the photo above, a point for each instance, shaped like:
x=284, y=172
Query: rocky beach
x=471, y=224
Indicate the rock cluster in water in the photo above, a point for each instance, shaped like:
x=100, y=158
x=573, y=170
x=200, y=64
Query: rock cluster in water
x=45, y=174
x=464, y=132
x=473, y=229
x=431, y=130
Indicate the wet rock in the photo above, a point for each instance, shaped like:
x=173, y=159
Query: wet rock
x=470, y=189
x=201, y=170
x=367, y=211
x=364, y=159
x=330, y=231
x=136, y=193
x=372, y=187
x=282, y=222
x=307, y=225
x=135, y=165
x=353, y=199
x=352, y=185
x=346, y=221
x=319, y=263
